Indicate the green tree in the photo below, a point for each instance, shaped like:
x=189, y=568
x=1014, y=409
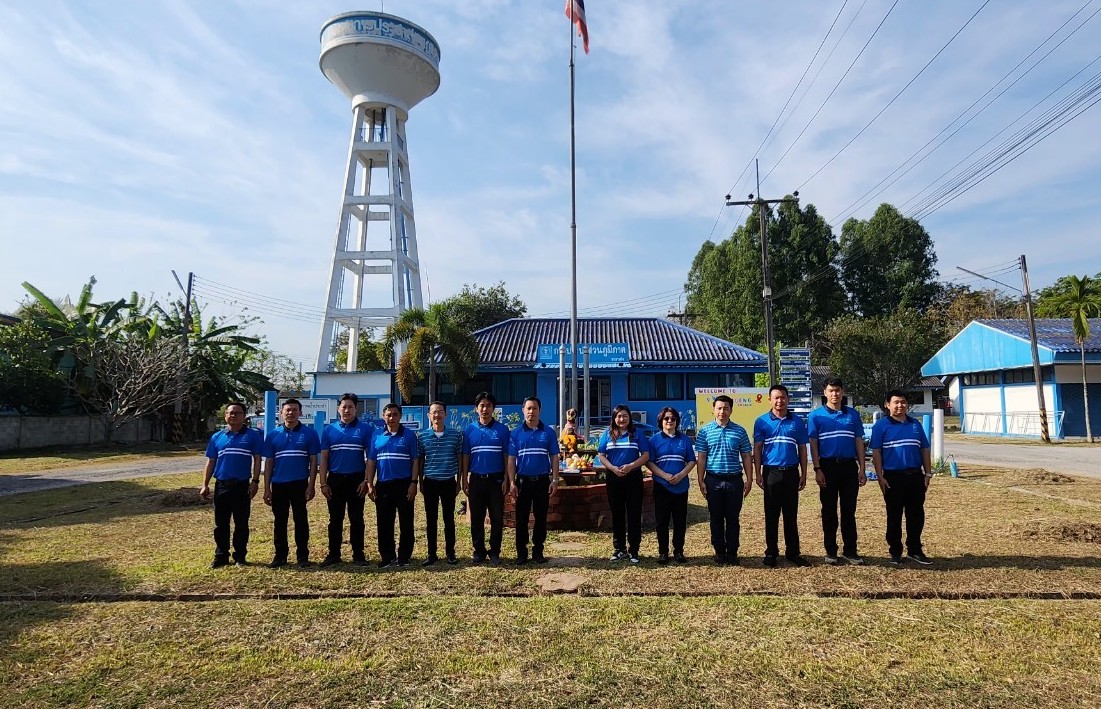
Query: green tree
x=724, y=288
x=957, y=305
x=426, y=334
x=1079, y=300
x=475, y=307
x=367, y=356
x=884, y=352
x=29, y=382
x=887, y=263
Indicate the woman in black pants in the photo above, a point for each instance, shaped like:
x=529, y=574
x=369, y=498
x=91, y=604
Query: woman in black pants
x=671, y=461
x=623, y=450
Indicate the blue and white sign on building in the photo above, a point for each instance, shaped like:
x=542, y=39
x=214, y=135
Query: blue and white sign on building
x=795, y=375
x=616, y=354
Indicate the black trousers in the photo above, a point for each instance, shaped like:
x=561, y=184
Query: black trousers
x=287, y=497
x=231, y=500
x=842, y=485
x=343, y=496
x=486, y=495
x=781, y=498
x=533, y=494
x=392, y=499
x=905, y=496
x=724, y=503
x=439, y=493
x=670, y=505
x=625, y=499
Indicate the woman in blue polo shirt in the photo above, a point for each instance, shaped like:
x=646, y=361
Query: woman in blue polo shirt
x=623, y=450
x=671, y=461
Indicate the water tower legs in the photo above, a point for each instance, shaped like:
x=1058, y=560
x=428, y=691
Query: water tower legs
x=375, y=257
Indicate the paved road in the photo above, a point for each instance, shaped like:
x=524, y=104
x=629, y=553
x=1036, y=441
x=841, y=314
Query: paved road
x=1057, y=458
x=15, y=483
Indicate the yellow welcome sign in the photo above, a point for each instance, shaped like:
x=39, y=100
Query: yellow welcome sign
x=749, y=403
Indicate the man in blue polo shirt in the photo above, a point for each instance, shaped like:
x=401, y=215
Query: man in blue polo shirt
x=341, y=468
x=233, y=460
x=900, y=454
x=837, y=452
x=485, y=457
x=780, y=460
x=290, y=468
x=533, y=456
x=442, y=448
x=723, y=463
x=394, y=457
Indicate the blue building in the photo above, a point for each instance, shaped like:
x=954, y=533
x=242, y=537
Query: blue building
x=992, y=386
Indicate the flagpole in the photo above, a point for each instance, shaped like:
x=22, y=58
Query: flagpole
x=573, y=232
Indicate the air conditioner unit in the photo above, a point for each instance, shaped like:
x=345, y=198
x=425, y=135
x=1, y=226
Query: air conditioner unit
x=638, y=416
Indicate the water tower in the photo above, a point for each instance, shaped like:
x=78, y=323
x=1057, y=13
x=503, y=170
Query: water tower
x=385, y=65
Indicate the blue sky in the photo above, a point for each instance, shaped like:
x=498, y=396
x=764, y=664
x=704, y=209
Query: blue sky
x=137, y=138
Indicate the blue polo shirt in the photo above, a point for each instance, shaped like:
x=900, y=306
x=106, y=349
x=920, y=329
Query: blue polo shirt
x=835, y=431
x=441, y=453
x=233, y=452
x=901, y=442
x=533, y=448
x=625, y=449
x=347, y=444
x=781, y=437
x=291, y=448
x=723, y=446
x=671, y=454
x=394, y=453
x=487, y=447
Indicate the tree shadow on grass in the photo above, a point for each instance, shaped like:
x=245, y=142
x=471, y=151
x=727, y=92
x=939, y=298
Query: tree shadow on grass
x=92, y=503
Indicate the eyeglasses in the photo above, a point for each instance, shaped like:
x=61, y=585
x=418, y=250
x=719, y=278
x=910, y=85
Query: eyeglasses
x=668, y=418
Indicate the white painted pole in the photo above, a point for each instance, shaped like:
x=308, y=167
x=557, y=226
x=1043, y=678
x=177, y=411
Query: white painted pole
x=936, y=438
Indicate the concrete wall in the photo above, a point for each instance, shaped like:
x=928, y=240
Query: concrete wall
x=22, y=432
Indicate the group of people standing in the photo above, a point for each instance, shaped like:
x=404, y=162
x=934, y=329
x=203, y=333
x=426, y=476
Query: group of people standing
x=354, y=460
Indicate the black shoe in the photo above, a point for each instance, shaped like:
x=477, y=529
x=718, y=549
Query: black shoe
x=769, y=561
x=478, y=558
x=720, y=559
x=896, y=559
x=521, y=560
x=401, y=562
x=831, y=559
x=430, y=561
x=304, y=563
x=332, y=561
x=680, y=558
x=277, y=562
x=798, y=561
x=539, y=559
x=854, y=558
x=462, y=509
x=921, y=559
x=219, y=562
x=240, y=563
x=733, y=560
x=663, y=559
x=451, y=559
x=387, y=563
x=494, y=559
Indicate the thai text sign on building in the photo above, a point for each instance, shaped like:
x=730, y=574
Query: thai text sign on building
x=615, y=354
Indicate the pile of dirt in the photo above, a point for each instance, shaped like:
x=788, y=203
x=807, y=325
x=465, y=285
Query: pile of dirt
x=1041, y=476
x=1088, y=532
x=182, y=497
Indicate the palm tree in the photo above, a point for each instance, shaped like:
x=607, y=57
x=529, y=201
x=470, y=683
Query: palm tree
x=1080, y=301
x=428, y=334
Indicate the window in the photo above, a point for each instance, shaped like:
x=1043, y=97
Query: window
x=1019, y=376
x=655, y=387
x=714, y=380
x=512, y=388
x=979, y=379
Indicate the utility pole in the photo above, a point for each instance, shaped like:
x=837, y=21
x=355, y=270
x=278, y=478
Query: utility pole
x=1037, y=372
x=766, y=276
x=185, y=330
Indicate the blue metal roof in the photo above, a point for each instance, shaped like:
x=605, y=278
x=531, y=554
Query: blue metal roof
x=993, y=345
x=652, y=342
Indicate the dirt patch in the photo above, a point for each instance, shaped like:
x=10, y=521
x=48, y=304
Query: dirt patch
x=1088, y=532
x=182, y=497
x=1041, y=476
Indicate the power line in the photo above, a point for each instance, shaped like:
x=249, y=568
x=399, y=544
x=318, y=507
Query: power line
x=897, y=95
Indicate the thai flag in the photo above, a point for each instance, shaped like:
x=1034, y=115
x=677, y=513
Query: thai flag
x=575, y=10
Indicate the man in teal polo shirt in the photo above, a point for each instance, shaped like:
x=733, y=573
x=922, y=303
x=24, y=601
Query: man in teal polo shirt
x=533, y=456
x=780, y=460
x=233, y=460
x=900, y=454
x=441, y=448
x=394, y=456
x=723, y=465
x=837, y=452
x=290, y=468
